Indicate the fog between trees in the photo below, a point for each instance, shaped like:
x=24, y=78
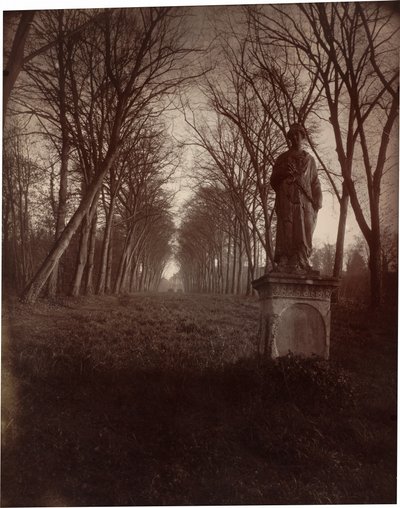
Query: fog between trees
x=88, y=154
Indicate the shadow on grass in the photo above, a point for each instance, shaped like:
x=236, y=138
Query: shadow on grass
x=141, y=400
x=288, y=432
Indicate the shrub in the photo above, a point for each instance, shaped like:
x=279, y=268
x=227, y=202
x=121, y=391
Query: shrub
x=311, y=382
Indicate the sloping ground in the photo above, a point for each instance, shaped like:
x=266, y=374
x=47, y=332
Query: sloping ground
x=157, y=399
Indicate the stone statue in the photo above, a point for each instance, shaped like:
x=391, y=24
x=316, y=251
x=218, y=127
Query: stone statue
x=298, y=198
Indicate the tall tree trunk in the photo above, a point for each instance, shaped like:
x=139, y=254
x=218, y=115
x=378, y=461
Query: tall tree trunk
x=146, y=276
x=105, y=249
x=82, y=257
x=65, y=148
x=375, y=256
x=23, y=233
x=123, y=261
x=344, y=204
x=16, y=254
x=234, y=262
x=375, y=267
x=125, y=277
x=121, y=268
x=151, y=279
x=89, y=288
x=249, y=255
x=341, y=232
x=133, y=276
x=213, y=275
x=240, y=265
x=6, y=233
x=248, y=282
x=228, y=256
x=61, y=212
x=109, y=267
x=34, y=288
x=141, y=275
x=16, y=58
x=220, y=271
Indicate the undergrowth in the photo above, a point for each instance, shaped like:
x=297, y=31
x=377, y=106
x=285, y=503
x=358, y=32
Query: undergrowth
x=160, y=399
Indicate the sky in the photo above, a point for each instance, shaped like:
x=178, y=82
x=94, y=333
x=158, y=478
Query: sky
x=328, y=216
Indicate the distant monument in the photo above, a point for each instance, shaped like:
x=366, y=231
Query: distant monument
x=295, y=301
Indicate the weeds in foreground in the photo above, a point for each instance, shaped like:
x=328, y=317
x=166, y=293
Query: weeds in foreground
x=159, y=400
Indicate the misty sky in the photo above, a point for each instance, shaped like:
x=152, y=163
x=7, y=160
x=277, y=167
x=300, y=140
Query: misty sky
x=326, y=230
x=201, y=33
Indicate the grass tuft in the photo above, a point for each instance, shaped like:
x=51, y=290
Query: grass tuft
x=160, y=399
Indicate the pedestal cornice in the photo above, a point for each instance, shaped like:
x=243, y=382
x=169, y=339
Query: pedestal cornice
x=289, y=285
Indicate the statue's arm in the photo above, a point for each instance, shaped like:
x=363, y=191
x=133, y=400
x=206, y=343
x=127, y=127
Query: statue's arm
x=316, y=187
x=279, y=173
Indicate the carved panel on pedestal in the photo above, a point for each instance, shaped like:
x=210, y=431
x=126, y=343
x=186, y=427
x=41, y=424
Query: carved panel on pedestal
x=301, y=330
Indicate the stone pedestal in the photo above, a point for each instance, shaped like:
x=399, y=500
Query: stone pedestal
x=295, y=313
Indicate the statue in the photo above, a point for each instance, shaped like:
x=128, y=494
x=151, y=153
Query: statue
x=298, y=198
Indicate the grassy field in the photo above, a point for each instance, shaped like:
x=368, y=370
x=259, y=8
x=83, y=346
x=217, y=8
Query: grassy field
x=158, y=399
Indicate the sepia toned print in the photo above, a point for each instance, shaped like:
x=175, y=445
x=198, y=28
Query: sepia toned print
x=199, y=255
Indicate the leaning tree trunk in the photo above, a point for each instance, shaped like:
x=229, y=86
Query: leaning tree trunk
x=132, y=280
x=34, y=288
x=65, y=148
x=141, y=276
x=105, y=249
x=109, y=267
x=16, y=58
x=124, y=286
x=89, y=288
x=123, y=260
x=121, y=269
x=146, y=278
x=82, y=257
x=61, y=213
x=129, y=265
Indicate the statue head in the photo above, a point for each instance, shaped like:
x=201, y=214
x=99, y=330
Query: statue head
x=295, y=131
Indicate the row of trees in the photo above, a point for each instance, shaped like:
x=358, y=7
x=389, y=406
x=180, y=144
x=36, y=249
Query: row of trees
x=123, y=243
x=87, y=156
x=331, y=66
x=216, y=252
x=86, y=152
x=215, y=256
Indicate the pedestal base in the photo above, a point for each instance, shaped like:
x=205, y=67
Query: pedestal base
x=295, y=314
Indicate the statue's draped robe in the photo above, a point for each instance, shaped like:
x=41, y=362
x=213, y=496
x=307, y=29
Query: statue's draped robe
x=298, y=199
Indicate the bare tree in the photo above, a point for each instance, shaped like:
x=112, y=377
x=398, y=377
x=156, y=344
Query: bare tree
x=349, y=49
x=141, y=198
x=136, y=73
x=205, y=241
x=21, y=175
x=155, y=254
x=19, y=39
x=227, y=164
x=16, y=56
x=252, y=122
